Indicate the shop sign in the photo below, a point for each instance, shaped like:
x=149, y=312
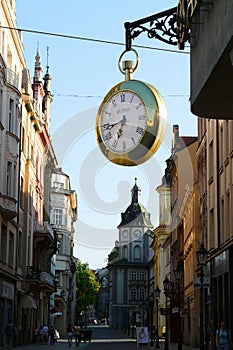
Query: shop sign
x=197, y=282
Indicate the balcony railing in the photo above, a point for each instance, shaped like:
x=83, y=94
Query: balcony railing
x=34, y=273
x=44, y=227
x=47, y=279
x=11, y=78
x=8, y=206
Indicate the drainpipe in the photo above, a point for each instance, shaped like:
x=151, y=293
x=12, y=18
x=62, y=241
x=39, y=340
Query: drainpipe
x=217, y=184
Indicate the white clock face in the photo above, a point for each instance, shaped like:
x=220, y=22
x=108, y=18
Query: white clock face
x=123, y=122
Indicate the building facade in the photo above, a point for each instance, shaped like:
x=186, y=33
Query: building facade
x=63, y=215
x=11, y=65
x=28, y=240
x=161, y=248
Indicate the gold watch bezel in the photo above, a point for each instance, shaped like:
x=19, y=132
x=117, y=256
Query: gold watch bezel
x=156, y=121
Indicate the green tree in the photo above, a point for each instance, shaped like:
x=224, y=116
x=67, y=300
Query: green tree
x=87, y=287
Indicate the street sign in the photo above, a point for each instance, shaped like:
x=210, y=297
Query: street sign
x=197, y=282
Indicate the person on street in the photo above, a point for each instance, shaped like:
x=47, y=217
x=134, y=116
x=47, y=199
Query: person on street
x=223, y=338
x=10, y=334
x=77, y=335
x=52, y=335
x=154, y=333
x=45, y=334
x=69, y=334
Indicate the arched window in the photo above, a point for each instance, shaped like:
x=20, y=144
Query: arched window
x=137, y=253
x=125, y=252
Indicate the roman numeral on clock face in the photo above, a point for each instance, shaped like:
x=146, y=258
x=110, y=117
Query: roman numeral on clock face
x=107, y=136
x=140, y=130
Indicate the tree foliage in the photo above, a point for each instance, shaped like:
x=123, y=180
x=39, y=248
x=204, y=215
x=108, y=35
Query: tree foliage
x=86, y=287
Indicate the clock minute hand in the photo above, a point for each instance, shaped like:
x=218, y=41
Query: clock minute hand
x=108, y=126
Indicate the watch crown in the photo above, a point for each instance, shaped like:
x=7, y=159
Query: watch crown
x=128, y=67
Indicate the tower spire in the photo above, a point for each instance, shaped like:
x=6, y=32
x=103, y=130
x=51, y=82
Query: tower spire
x=38, y=68
x=47, y=66
x=135, y=192
x=48, y=96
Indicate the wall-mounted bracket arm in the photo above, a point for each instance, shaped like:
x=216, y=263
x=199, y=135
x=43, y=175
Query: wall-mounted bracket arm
x=162, y=26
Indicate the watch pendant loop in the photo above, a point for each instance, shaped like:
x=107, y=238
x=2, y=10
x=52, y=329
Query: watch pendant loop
x=128, y=67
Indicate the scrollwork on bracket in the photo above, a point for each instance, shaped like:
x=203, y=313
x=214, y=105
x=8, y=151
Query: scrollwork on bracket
x=161, y=26
x=167, y=28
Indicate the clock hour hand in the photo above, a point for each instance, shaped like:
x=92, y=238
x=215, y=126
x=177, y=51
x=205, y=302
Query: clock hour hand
x=108, y=126
x=123, y=121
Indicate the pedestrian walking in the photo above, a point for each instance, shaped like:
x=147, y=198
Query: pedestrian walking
x=56, y=335
x=77, y=335
x=154, y=333
x=52, y=335
x=10, y=332
x=69, y=335
x=223, y=338
x=45, y=334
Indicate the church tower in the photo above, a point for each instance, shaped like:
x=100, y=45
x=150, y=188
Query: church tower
x=135, y=230
x=129, y=266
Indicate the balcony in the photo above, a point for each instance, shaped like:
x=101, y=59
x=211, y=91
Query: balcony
x=12, y=78
x=8, y=206
x=45, y=277
x=44, y=280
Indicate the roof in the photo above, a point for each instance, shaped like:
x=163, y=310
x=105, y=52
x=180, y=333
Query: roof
x=135, y=214
x=188, y=140
x=127, y=263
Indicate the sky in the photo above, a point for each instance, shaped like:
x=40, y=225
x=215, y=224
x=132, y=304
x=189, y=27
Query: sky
x=83, y=70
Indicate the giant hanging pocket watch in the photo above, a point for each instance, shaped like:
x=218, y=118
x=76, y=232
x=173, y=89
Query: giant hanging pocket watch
x=131, y=119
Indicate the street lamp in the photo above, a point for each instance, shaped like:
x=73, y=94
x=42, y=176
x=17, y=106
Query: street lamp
x=166, y=286
x=201, y=257
x=157, y=296
x=179, y=275
x=151, y=300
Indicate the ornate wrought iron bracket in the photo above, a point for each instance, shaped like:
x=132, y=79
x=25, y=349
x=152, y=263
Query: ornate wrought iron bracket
x=162, y=26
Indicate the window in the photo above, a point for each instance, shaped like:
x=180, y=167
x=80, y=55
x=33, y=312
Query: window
x=133, y=275
x=21, y=193
x=133, y=294
x=57, y=217
x=11, y=114
x=137, y=252
x=125, y=252
x=3, y=243
x=9, y=179
x=57, y=278
x=11, y=249
x=141, y=275
x=23, y=140
x=19, y=249
x=141, y=293
x=58, y=185
x=14, y=181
